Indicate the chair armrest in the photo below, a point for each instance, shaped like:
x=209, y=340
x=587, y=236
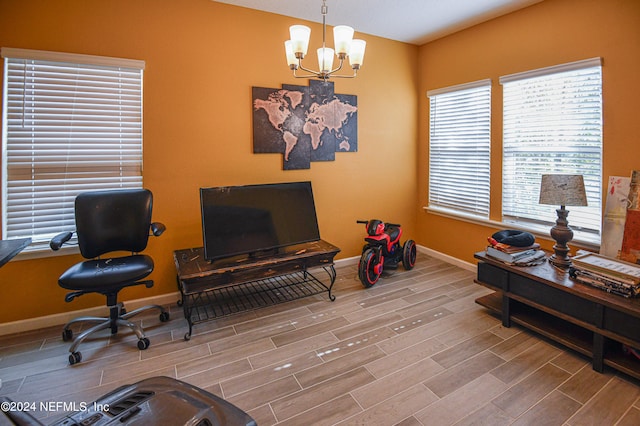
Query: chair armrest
x=57, y=241
x=157, y=228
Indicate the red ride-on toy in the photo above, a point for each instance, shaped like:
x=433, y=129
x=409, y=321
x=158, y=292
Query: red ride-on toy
x=383, y=250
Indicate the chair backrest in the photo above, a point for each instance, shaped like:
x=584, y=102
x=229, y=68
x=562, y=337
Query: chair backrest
x=117, y=220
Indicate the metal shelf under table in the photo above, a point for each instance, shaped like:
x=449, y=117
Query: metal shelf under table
x=213, y=290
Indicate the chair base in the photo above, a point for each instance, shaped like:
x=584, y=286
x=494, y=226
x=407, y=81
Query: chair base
x=118, y=318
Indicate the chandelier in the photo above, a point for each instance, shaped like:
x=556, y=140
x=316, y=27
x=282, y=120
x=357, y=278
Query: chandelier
x=345, y=46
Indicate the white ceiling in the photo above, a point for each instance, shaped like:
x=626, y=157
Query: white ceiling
x=409, y=21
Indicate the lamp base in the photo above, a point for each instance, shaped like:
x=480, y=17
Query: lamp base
x=562, y=234
x=560, y=261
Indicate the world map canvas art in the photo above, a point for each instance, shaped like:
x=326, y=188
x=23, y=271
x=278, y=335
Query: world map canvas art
x=304, y=123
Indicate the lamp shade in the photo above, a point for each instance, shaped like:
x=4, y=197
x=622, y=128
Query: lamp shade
x=563, y=190
x=356, y=54
x=291, y=57
x=342, y=36
x=325, y=59
x=300, y=35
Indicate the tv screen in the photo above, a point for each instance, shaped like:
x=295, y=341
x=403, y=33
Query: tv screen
x=256, y=218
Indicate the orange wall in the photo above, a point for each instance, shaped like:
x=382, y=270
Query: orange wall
x=202, y=58
x=549, y=33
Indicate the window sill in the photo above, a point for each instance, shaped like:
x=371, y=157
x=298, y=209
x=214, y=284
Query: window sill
x=44, y=251
x=584, y=240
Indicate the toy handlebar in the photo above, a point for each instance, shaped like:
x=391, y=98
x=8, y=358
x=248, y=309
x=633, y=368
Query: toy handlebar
x=386, y=223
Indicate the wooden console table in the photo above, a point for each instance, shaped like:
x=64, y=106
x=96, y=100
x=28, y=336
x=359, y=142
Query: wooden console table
x=211, y=290
x=544, y=299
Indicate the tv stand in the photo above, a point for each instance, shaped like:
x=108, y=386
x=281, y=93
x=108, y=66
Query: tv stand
x=211, y=290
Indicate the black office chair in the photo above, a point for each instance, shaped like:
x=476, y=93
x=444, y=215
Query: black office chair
x=107, y=222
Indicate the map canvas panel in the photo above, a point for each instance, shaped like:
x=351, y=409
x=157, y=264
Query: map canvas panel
x=318, y=113
x=271, y=116
x=297, y=146
x=347, y=140
x=304, y=123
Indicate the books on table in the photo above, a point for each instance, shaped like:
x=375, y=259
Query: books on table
x=523, y=256
x=513, y=249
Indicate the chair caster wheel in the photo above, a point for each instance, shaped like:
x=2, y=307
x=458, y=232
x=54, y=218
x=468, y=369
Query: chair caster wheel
x=67, y=335
x=187, y=337
x=74, y=358
x=143, y=343
x=164, y=316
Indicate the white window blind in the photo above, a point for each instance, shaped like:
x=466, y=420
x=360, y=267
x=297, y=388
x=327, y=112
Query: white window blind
x=552, y=125
x=71, y=123
x=460, y=148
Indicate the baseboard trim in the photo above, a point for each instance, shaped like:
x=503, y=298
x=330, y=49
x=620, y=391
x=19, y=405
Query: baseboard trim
x=30, y=324
x=422, y=249
x=347, y=261
x=449, y=259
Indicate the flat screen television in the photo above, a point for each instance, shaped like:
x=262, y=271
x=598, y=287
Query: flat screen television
x=254, y=219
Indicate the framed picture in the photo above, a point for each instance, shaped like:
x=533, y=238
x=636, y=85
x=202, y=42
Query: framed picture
x=615, y=214
x=630, y=250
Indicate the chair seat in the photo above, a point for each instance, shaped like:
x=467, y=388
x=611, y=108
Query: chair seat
x=101, y=275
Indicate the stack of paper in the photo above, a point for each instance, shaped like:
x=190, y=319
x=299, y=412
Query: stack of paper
x=608, y=274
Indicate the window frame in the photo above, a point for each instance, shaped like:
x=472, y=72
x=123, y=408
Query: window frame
x=111, y=113
x=465, y=108
x=565, y=136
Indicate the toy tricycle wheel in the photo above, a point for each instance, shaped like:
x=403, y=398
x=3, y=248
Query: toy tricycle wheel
x=367, y=268
x=409, y=255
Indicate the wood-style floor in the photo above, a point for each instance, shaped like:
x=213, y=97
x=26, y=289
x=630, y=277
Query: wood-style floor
x=413, y=350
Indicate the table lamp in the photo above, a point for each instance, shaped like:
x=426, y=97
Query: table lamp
x=563, y=190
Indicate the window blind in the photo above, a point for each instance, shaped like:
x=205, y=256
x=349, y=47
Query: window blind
x=552, y=124
x=70, y=125
x=459, y=148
